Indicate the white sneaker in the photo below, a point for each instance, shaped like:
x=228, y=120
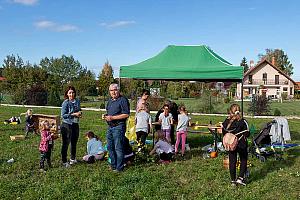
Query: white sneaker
x=72, y=162
x=42, y=171
x=66, y=165
x=241, y=181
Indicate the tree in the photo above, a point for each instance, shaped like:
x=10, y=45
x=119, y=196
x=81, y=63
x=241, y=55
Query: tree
x=64, y=69
x=85, y=84
x=259, y=105
x=105, y=79
x=244, y=64
x=281, y=60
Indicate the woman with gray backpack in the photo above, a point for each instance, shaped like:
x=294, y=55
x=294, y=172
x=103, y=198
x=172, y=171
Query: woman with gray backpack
x=235, y=131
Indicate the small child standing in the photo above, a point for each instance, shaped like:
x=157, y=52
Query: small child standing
x=46, y=145
x=95, y=150
x=143, y=124
x=182, y=126
x=163, y=148
x=166, y=120
x=29, y=123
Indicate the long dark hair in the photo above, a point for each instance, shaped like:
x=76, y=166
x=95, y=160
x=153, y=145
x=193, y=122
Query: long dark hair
x=70, y=87
x=91, y=134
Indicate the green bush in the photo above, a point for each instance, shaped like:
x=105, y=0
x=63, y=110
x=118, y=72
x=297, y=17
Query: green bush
x=277, y=112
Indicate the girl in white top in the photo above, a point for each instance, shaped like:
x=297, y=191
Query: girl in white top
x=163, y=148
x=183, y=123
x=166, y=120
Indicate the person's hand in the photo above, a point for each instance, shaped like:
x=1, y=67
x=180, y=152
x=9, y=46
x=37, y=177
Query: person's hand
x=108, y=118
x=52, y=134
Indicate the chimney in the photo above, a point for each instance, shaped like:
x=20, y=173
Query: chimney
x=251, y=64
x=273, y=61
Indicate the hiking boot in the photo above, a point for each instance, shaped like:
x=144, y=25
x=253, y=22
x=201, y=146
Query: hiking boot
x=241, y=181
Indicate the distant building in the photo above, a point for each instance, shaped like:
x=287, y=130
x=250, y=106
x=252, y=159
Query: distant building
x=266, y=78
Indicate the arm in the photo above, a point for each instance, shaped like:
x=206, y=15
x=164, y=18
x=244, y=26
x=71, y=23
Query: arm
x=153, y=150
x=65, y=111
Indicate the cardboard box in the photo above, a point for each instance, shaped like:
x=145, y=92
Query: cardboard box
x=17, y=137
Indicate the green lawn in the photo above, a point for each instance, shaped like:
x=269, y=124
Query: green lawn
x=193, y=178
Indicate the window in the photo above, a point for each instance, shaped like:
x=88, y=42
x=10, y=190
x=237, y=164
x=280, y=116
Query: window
x=276, y=79
x=250, y=79
x=265, y=77
x=285, y=89
x=291, y=91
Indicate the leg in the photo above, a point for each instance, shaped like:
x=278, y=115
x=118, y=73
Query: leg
x=183, y=139
x=86, y=158
x=232, y=164
x=74, y=140
x=111, y=148
x=42, y=160
x=143, y=138
x=65, y=132
x=168, y=132
x=243, y=157
x=118, y=135
x=177, y=141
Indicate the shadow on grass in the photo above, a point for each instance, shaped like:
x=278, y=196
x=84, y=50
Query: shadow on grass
x=288, y=159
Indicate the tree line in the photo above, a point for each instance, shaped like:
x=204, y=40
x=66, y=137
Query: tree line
x=44, y=83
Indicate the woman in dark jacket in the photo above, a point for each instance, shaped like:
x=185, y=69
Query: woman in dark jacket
x=238, y=126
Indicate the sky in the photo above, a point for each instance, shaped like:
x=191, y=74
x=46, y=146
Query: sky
x=126, y=32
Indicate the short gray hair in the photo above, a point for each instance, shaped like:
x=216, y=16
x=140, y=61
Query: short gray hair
x=114, y=85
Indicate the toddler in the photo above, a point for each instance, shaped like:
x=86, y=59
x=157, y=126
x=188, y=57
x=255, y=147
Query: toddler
x=46, y=145
x=182, y=126
x=29, y=123
x=95, y=150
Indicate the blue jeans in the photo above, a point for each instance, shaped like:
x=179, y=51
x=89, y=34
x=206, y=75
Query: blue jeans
x=115, y=142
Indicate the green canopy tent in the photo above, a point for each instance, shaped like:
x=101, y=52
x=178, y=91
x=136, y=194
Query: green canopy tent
x=197, y=63
x=184, y=63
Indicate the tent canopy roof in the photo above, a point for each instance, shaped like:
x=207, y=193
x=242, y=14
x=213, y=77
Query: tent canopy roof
x=184, y=63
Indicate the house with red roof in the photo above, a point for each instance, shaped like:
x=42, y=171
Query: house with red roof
x=266, y=78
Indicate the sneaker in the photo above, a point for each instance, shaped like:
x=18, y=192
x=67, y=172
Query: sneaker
x=66, y=165
x=42, y=171
x=241, y=181
x=233, y=183
x=72, y=162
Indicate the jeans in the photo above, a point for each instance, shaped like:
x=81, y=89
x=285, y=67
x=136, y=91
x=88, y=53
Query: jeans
x=70, y=134
x=46, y=155
x=115, y=142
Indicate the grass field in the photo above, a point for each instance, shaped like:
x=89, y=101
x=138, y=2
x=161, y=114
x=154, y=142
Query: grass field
x=192, y=178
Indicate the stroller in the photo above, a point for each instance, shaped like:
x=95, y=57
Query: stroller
x=272, y=137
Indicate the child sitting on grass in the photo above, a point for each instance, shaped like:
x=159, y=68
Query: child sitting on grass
x=163, y=148
x=95, y=150
x=46, y=145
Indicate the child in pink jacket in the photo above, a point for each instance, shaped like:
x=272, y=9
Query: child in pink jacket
x=46, y=145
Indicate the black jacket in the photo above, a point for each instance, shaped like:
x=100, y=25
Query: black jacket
x=236, y=127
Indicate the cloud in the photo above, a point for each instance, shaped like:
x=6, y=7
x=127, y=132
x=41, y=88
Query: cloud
x=52, y=26
x=26, y=2
x=117, y=24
